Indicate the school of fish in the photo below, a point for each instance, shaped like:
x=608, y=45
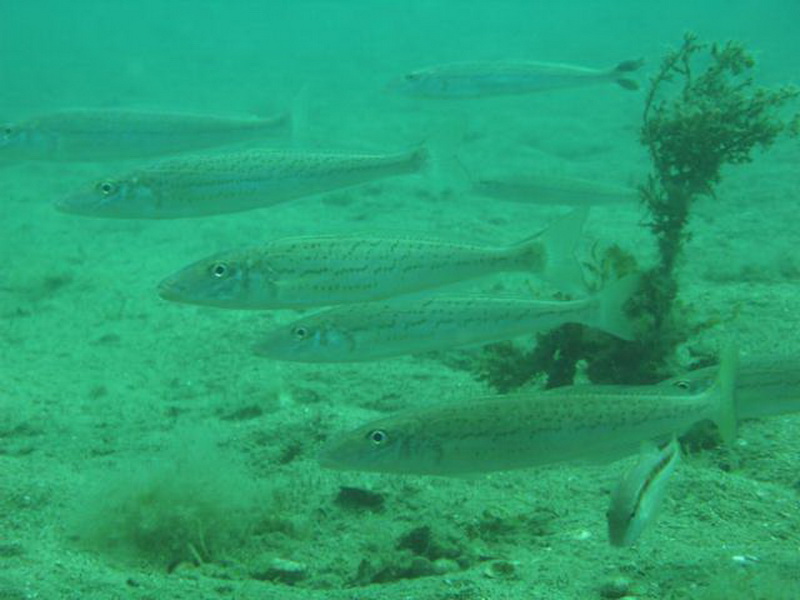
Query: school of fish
x=377, y=293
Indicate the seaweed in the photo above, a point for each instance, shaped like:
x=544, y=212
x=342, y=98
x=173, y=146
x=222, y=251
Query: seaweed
x=702, y=111
x=193, y=504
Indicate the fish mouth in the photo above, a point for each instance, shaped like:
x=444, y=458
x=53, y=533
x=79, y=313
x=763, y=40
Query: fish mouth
x=79, y=205
x=264, y=349
x=169, y=289
x=325, y=460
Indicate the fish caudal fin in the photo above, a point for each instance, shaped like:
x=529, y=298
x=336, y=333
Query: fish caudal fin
x=561, y=267
x=613, y=317
x=627, y=66
x=725, y=417
x=442, y=163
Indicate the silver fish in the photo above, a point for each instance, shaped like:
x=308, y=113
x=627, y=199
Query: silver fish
x=638, y=496
x=543, y=188
x=525, y=430
x=99, y=135
x=766, y=386
x=339, y=269
x=498, y=78
x=376, y=330
x=196, y=186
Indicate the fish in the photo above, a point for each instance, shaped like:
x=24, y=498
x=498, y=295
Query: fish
x=636, y=500
x=500, y=78
x=96, y=135
x=543, y=188
x=377, y=330
x=221, y=183
x=518, y=431
x=766, y=386
x=314, y=271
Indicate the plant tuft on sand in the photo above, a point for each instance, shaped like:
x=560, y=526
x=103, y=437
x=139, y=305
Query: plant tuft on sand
x=190, y=504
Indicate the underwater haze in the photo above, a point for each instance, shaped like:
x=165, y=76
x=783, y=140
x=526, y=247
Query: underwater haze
x=184, y=181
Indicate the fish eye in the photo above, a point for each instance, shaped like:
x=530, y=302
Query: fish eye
x=219, y=270
x=412, y=76
x=8, y=130
x=378, y=437
x=300, y=332
x=107, y=188
x=682, y=384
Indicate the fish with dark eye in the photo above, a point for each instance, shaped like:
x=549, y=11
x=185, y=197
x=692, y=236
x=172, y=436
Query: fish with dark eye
x=221, y=183
x=638, y=497
x=400, y=326
x=766, y=385
x=517, y=431
x=509, y=77
x=309, y=271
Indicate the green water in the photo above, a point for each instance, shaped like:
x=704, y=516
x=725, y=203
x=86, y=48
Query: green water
x=147, y=453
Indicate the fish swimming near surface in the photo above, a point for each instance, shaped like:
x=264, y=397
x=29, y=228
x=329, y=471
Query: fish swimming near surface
x=377, y=330
x=543, y=188
x=311, y=271
x=115, y=134
x=636, y=500
x=500, y=78
x=202, y=185
x=583, y=423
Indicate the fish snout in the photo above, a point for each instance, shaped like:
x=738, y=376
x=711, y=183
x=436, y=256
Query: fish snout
x=70, y=204
x=80, y=204
x=170, y=288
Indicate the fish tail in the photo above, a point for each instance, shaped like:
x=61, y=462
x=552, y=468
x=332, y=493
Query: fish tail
x=725, y=417
x=439, y=155
x=628, y=84
x=627, y=66
x=419, y=158
x=613, y=317
x=561, y=268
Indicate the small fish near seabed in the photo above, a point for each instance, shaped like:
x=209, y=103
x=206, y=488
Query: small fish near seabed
x=316, y=271
x=214, y=184
x=378, y=330
x=577, y=423
x=636, y=500
x=544, y=188
x=96, y=135
x=502, y=78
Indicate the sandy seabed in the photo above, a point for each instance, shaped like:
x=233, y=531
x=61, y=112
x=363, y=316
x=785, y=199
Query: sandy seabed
x=102, y=383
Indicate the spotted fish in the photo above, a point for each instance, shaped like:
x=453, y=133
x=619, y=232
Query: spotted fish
x=585, y=423
x=100, y=135
x=339, y=269
x=202, y=185
x=376, y=330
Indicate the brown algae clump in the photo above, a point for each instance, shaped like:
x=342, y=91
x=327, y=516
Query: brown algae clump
x=702, y=111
